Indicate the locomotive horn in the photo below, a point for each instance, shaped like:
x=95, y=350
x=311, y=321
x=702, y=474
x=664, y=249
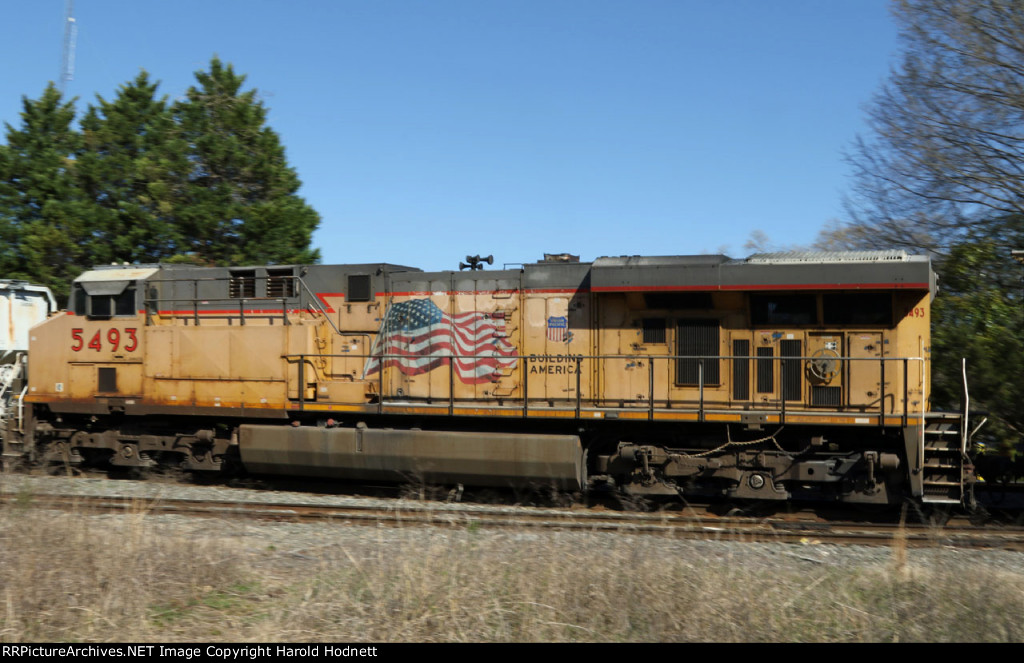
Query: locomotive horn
x=474, y=262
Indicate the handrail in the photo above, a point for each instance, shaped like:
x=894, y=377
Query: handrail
x=578, y=360
x=318, y=303
x=241, y=301
x=21, y=409
x=782, y=389
x=300, y=289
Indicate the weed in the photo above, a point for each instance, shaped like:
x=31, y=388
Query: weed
x=88, y=577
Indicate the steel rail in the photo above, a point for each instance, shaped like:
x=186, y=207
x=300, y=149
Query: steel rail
x=406, y=513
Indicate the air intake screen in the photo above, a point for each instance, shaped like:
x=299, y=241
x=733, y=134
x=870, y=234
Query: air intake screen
x=654, y=330
x=765, y=371
x=698, y=340
x=359, y=288
x=791, y=373
x=242, y=284
x=827, y=396
x=106, y=379
x=280, y=283
x=741, y=370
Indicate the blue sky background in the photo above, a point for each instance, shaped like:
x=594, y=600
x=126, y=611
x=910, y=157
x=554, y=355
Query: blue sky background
x=425, y=130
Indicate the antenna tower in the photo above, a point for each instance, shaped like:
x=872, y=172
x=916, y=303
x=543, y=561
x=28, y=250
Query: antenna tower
x=67, y=69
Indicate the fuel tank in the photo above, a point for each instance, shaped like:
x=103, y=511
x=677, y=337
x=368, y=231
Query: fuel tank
x=470, y=458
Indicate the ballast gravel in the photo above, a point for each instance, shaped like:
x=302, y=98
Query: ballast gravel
x=287, y=545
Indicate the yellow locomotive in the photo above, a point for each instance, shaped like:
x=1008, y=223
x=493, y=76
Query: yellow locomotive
x=779, y=376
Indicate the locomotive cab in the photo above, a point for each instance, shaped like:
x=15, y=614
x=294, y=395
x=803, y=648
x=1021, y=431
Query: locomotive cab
x=768, y=333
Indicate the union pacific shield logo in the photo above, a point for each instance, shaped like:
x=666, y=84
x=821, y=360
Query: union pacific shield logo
x=558, y=328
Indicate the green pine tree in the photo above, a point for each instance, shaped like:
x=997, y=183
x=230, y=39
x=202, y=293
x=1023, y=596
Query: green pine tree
x=203, y=181
x=239, y=203
x=129, y=170
x=43, y=237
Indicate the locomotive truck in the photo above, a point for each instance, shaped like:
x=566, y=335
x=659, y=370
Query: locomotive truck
x=781, y=376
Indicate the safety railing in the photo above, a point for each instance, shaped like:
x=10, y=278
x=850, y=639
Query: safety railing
x=285, y=293
x=235, y=309
x=591, y=373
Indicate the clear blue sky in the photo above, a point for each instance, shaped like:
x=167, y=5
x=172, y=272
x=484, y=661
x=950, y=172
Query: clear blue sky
x=425, y=130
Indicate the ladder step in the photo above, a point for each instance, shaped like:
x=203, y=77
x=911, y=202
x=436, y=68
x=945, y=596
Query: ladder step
x=929, y=499
x=943, y=459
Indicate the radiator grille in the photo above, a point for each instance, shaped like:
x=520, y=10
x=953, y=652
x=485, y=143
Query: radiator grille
x=697, y=338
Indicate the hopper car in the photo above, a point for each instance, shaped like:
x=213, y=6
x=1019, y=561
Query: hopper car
x=785, y=376
x=22, y=305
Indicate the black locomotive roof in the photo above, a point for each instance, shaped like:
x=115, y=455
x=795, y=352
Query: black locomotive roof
x=809, y=270
x=805, y=270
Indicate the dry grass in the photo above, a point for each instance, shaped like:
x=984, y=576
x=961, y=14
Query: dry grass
x=78, y=577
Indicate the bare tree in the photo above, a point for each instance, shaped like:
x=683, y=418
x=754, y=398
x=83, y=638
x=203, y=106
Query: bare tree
x=946, y=150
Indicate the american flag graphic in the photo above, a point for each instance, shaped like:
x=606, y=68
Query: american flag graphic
x=418, y=337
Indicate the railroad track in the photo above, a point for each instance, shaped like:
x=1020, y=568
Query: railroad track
x=397, y=513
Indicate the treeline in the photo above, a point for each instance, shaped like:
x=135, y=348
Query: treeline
x=142, y=180
x=942, y=172
x=978, y=315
